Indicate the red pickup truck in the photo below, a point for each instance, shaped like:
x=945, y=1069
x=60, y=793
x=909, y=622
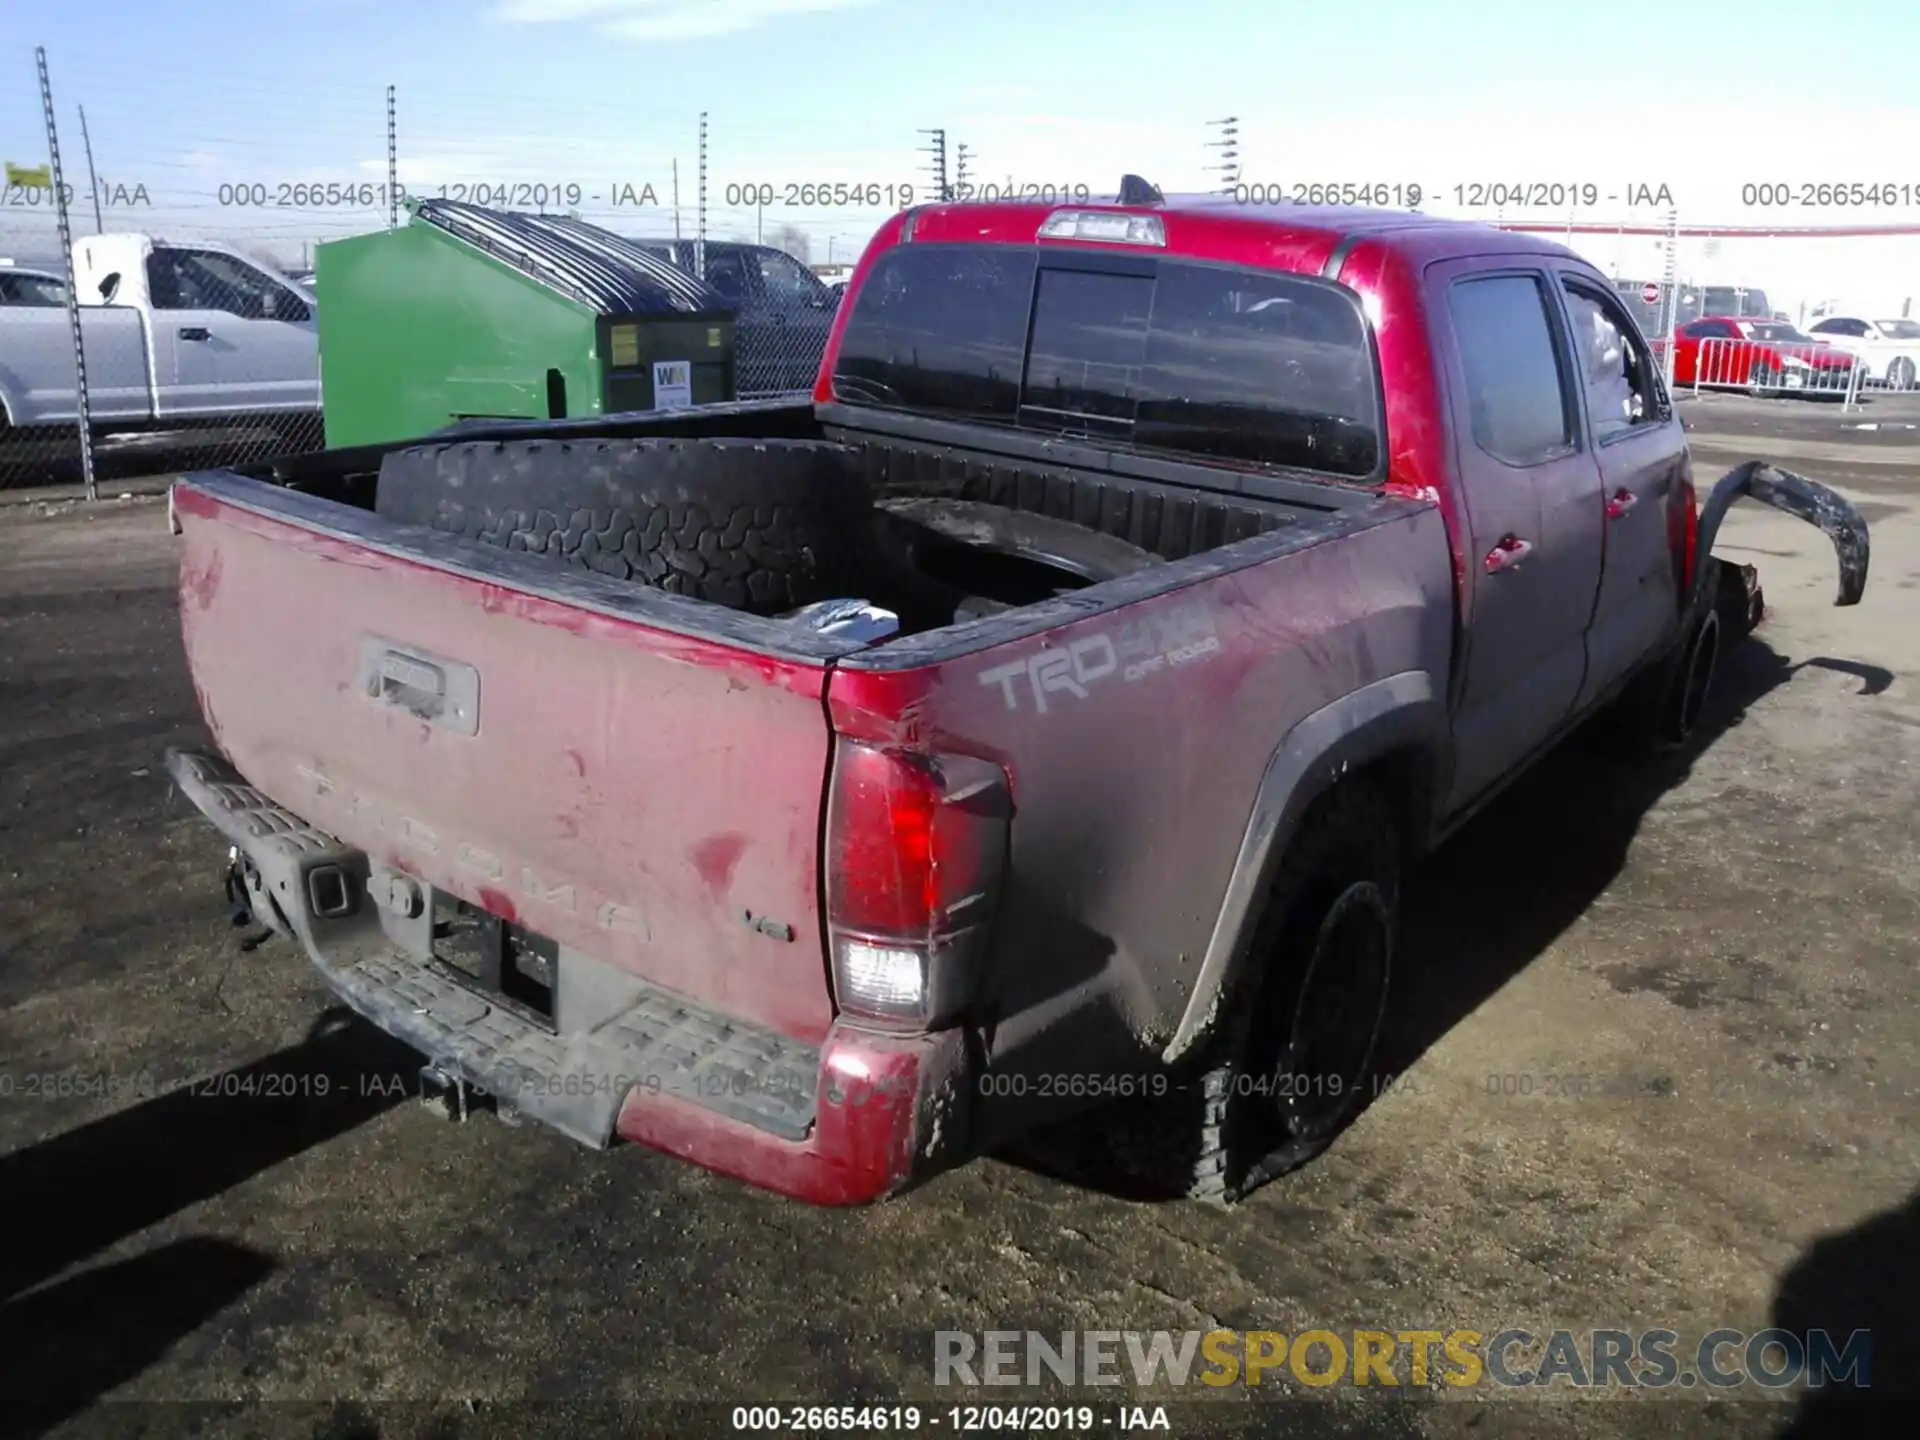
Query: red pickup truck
x=1037, y=722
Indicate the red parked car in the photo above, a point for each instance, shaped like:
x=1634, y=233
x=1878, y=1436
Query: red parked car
x=1762, y=357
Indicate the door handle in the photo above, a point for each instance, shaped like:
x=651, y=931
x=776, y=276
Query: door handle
x=1508, y=553
x=195, y=332
x=1620, y=502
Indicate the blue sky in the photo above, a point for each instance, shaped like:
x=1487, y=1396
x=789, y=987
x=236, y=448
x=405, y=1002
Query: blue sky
x=186, y=97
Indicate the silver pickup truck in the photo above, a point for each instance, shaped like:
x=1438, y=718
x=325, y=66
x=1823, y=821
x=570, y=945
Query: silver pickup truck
x=174, y=334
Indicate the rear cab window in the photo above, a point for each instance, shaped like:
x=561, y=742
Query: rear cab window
x=1180, y=357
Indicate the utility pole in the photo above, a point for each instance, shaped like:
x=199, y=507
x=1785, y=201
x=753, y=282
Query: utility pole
x=936, y=152
x=676, y=197
x=93, y=180
x=1227, y=146
x=963, y=171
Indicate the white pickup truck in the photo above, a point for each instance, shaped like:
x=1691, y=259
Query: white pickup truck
x=175, y=334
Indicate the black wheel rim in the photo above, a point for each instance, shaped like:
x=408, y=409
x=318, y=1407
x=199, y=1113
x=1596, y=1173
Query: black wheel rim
x=1321, y=1073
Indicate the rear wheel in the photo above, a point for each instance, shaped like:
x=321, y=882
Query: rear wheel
x=1290, y=1064
x=757, y=525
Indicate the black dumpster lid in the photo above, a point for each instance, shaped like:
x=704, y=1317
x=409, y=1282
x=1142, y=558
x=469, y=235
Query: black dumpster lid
x=606, y=272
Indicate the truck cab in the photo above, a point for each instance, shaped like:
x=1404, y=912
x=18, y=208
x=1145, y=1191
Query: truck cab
x=224, y=334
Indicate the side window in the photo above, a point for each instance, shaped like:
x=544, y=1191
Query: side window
x=31, y=290
x=209, y=280
x=1517, y=393
x=1615, y=369
x=785, y=278
x=164, y=284
x=726, y=276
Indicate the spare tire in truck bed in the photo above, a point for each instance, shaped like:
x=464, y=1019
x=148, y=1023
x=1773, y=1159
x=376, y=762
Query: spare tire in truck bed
x=756, y=525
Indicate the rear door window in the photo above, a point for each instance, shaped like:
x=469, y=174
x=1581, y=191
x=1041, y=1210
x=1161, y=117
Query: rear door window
x=1202, y=360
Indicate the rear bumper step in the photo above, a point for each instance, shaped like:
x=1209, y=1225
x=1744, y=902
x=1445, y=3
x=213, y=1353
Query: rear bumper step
x=654, y=1067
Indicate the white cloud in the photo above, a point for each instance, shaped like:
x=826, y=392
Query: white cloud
x=665, y=19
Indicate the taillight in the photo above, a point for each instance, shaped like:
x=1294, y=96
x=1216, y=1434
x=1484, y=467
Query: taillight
x=915, y=848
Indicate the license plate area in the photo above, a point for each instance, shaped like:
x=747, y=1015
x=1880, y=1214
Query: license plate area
x=505, y=962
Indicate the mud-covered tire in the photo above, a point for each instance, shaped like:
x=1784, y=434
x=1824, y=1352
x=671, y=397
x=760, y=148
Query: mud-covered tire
x=755, y=525
x=1224, y=1127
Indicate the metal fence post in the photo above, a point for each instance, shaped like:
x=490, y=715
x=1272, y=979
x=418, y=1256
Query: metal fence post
x=73, y=287
x=393, y=166
x=700, y=215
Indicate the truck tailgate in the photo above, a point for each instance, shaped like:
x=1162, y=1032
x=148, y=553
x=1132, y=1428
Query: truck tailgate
x=632, y=775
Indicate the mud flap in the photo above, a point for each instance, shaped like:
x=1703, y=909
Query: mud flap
x=1800, y=497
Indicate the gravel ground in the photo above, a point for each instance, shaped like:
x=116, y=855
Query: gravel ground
x=1657, y=1059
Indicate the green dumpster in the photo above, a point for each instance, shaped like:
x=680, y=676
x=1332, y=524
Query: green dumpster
x=469, y=313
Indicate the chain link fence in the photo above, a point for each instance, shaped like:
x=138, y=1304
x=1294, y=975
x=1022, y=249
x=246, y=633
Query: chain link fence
x=193, y=264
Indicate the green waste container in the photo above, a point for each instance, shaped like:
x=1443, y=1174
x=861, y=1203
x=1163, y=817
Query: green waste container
x=470, y=313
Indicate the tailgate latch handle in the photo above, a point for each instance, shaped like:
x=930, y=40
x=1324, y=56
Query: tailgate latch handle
x=429, y=687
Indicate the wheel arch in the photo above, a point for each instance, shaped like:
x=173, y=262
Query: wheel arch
x=1391, y=732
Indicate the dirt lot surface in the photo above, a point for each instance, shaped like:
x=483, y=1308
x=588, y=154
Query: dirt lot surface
x=1657, y=1044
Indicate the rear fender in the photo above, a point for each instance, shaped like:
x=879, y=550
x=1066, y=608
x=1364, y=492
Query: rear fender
x=1800, y=497
x=1400, y=714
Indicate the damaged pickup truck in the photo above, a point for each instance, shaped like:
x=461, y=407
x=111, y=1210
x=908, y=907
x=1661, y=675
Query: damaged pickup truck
x=1037, y=724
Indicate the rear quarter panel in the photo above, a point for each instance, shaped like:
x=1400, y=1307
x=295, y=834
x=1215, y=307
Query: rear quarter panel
x=1137, y=739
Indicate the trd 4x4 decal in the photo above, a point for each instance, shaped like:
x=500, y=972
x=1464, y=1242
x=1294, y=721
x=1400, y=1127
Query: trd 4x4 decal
x=1180, y=635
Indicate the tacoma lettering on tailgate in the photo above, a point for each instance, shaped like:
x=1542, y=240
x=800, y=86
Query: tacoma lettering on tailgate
x=1180, y=635
x=340, y=802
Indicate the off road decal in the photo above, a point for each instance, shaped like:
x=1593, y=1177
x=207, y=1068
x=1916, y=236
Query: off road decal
x=1150, y=645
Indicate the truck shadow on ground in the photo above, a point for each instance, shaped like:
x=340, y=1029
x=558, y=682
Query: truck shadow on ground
x=1497, y=894
x=1865, y=1278
x=68, y=1198
x=1487, y=903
